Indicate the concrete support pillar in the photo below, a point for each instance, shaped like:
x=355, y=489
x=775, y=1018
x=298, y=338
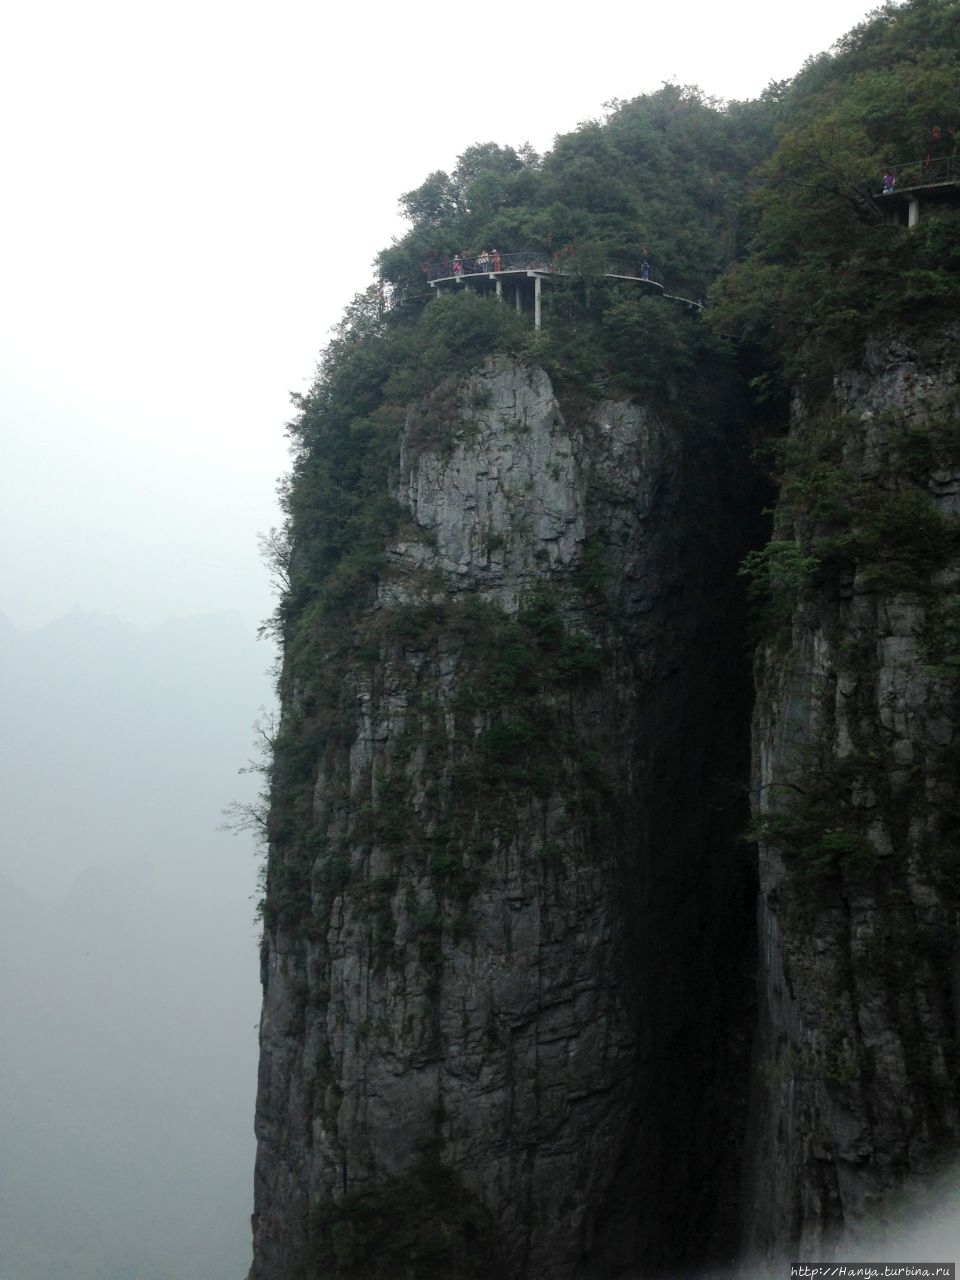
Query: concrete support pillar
x=517, y=298
x=913, y=212
x=499, y=290
x=536, y=302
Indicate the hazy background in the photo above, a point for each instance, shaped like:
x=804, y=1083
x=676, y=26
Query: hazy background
x=192, y=192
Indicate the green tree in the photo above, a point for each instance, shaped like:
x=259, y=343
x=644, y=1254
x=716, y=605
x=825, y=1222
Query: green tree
x=825, y=265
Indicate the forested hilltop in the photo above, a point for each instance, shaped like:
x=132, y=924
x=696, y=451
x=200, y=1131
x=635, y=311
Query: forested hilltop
x=516, y=1018
x=766, y=208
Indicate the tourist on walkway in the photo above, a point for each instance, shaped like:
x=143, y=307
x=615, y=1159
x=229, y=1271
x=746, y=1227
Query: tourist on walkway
x=939, y=147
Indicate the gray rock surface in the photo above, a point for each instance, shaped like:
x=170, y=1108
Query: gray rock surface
x=538, y=968
x=855, y=1102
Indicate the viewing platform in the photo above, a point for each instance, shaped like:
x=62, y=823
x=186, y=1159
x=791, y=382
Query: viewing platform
x=935, y=180
x=520, y=277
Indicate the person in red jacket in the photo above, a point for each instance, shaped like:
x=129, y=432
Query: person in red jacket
x=939, y=147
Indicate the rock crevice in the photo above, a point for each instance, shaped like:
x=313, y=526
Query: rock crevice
x=516, y=948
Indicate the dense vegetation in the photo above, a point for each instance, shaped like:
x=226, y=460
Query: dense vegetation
x=825, y=264
x=667, y=172
x=826, y=267
x=767, y=207
x=664, y=172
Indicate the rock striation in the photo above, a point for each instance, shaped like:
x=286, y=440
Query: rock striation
x=856, y=805
x=508, y=951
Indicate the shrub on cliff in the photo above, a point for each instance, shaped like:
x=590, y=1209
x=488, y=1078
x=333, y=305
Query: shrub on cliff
x=826, y=265
x=422, y=1224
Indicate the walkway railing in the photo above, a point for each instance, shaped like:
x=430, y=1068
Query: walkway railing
x=928, y=172
x=534, y=260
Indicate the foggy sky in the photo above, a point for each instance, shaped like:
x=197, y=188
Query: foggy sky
x=193, y=192
x=128, y=953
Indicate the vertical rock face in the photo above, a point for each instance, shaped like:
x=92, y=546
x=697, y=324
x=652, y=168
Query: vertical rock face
x=509, y=924
x=855, y=763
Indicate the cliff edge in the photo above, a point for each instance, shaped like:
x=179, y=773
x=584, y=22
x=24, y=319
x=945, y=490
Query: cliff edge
x=509, y=923
x=856, y=807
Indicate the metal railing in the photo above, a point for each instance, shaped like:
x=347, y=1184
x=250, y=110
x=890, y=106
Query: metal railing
x=927, y=172
x=533, y=260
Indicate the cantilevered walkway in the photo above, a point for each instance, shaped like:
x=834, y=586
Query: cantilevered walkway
x=935, y=180
x=521, y=276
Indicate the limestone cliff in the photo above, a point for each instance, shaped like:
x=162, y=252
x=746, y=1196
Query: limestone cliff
x=508, y=951
x=534, y=1005
x=855, y=776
